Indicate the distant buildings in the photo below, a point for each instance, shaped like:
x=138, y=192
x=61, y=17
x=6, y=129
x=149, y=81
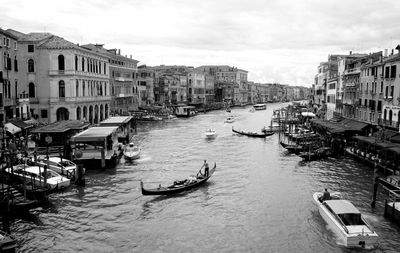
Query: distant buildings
x=364, y=87
x=46, y=78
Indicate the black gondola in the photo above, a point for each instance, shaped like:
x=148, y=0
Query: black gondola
x=178, y=186
x=251, y=134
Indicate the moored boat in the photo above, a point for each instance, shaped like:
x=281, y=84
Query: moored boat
x=391, y=182
x=346, y=221
x=178, y=186
x=253, y=134
x=7, y=242
x=318, y=153
x=36, y=175
x=60, y=165
x=132, y=152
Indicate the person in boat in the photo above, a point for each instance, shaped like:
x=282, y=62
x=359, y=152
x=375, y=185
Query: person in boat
x=326, y=195
x=206, y=169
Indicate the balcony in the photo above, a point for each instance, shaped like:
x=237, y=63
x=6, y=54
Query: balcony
x=62, y=72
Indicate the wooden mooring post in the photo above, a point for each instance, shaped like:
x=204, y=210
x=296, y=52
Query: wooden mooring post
x=376, y=183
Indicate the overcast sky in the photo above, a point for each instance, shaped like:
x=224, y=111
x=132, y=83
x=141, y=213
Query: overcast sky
x=275, y=40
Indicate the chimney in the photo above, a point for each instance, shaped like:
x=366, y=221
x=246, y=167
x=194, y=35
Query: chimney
x=392, y=51
x=130, y=56
x=386, y=52
x=119, y=51
x=350, y=52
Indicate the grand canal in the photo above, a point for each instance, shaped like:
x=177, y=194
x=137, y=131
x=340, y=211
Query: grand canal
x=258, y=200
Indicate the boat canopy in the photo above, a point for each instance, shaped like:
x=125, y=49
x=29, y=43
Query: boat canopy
x=94, y=134
x=307, y=114
x=115, y=121
x=341, y=206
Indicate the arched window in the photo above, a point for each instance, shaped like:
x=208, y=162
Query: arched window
x=76, y=62
x=83, y=64
x=77, y=88
x=31, y=65
x=83, y=88
x=31, y=90
x=78, y=113
x=61, y=62
x=61, y=89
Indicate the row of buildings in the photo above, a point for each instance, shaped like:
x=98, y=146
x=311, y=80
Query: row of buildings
x=47, y=78
x=364, y=87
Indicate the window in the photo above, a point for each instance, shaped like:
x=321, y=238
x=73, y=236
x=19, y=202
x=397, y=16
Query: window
x=15, y=64
x=393, y=71
x=387, y=71
x=30, y=49
x=15, y=45
x=61, y=89
x=76, y=62
x=61, y=62
x=77, y=88
x=43, y=114
x=83, y=88
x=31, y=66
x=31, y=90
x=83, y=64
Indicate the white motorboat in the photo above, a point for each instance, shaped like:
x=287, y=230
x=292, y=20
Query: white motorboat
x=258, y=107
x=132, y=152
x=60, y=165
x=36, y=175
x=346, y=221
x=210, y=134
x=230, y=119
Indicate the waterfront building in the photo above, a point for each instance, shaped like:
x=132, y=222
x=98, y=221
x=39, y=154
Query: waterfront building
x=390, y=86
x=146, y=79
x=196, y=87
x=225, y=74
x=63, y=80
x=371, y=96
x=9, y=81
x=124, y=89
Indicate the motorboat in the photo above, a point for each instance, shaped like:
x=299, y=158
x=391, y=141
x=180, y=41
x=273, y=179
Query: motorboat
x=210, y=133
x=131, y=152
x=60, y=165
x=230, y=119
x=7, y=242
x=36, y=175
x=346, y=221
x=258, y=107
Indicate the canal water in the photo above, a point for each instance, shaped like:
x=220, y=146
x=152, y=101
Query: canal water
x=258, y=200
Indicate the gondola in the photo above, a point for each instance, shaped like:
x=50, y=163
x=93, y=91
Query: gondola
x=178, y=186
x=294, y=148
x=252, y=134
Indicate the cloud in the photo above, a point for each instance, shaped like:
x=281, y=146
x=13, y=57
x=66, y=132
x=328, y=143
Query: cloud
x=276, y=40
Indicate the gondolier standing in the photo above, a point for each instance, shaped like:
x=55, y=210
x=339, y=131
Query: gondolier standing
x=206, y=169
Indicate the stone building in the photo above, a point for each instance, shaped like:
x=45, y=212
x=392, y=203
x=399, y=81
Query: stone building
x=124, y=89
x=63, y=80
x=9, y=81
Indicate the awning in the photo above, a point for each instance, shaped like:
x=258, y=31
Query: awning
x=353, y=125
x=11, y=128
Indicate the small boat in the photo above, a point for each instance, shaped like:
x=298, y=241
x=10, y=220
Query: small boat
x=391, y=183
x=178, y=186
x=258, y=107
x=346, y=221
x=7, y=242
x=60, y=165
x=316, y=154
x=210, y=134
x=35, y=175
x=294, y=148
x=230, y=119
x=253, y=134
x=131, y=152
